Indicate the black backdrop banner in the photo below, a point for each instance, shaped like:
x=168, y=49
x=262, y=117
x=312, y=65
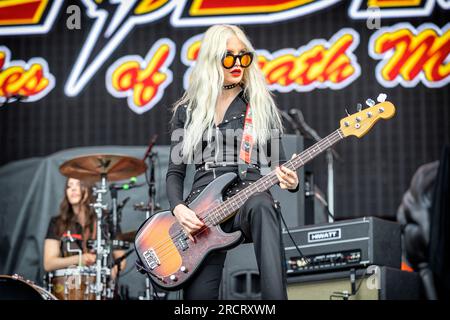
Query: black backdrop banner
x=91, y=73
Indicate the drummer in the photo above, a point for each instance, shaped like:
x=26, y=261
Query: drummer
x=69, y=232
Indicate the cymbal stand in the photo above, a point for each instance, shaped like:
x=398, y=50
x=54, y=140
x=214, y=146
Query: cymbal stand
x=101, y=253
x=150, y=211
x=114, y=222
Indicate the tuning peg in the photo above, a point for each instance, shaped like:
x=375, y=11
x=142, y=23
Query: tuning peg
x=359, y=107
x=370, y=102
x=346, y=111
x=382, y=97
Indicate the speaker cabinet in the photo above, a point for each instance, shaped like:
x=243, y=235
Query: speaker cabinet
x=372, y=283
x=292, y=204
x=240, y=275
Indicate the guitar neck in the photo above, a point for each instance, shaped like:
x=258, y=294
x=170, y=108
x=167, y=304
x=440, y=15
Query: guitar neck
x=227, y=208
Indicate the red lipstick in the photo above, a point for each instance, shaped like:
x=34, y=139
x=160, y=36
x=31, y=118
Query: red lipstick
x=236, y=72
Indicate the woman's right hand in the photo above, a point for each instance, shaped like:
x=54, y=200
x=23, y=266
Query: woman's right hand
x=188, y=219
x=88, y=259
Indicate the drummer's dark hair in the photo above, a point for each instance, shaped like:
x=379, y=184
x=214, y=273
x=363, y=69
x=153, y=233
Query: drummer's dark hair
x=66, y=219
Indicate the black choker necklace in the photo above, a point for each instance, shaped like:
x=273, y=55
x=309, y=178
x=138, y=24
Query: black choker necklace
x=230, y=86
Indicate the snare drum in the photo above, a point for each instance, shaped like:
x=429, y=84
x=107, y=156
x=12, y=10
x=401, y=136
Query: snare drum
x=16, y=288
x=73, y=283
x=78, y=283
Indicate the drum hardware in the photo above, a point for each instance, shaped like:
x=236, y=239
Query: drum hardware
x=115, y=244
x=66, y=289
x=79, y=252
x=101, y=252
x=74, y=283
x=117, y=209
x=114, y=223
x=48, y=281
x=103, y=168
x=117, y=263
x=117, y=213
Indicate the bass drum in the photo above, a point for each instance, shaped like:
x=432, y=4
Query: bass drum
x=16, y=288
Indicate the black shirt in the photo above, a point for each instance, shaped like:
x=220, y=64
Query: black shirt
x=71, y=238
x=224, y=147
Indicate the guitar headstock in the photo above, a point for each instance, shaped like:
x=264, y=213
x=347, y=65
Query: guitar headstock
x=360, y=123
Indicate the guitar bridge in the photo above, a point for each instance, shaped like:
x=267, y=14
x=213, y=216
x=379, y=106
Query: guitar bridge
x=151, y=258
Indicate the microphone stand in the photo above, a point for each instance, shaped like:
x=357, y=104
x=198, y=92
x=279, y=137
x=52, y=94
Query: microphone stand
x=291, y=121
x=330, y=185
x=330, y=152
x=113, y=192
x=116, y=210
x=117, y=263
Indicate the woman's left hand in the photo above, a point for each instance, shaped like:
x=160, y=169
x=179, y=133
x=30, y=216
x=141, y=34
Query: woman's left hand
x=287, y=177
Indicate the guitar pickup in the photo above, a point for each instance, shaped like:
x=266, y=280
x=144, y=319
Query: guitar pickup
x=151, y=258
x=182, y=243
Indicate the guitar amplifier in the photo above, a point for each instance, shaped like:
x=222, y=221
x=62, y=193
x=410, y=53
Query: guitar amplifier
x=346, y=244
x=371, y=283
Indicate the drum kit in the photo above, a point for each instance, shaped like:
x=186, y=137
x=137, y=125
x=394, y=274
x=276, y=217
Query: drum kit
x=89, y=283
x=100, y=280
x=93, y=282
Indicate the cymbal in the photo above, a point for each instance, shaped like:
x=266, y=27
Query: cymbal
x=127, y=236
x=92, y=167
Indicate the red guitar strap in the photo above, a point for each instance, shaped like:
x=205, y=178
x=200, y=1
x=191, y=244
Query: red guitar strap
x=246, y=143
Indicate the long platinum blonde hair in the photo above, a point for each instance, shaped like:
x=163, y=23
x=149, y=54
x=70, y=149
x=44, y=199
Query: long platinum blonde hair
x=205, y=85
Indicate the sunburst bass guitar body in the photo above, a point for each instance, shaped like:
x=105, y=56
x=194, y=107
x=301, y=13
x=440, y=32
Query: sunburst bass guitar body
x=166, y=249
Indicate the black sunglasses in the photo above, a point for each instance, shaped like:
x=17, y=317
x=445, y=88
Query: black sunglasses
x=229, y=60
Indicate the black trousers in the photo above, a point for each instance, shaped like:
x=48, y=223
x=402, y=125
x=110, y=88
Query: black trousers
x=259, y=220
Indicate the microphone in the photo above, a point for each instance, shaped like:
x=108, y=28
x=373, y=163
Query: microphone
x=124, y=202
x=304, y=127
x=150, y=146
x=308, y=131
x=126, y=186
x=291, y=121
x=131, y=184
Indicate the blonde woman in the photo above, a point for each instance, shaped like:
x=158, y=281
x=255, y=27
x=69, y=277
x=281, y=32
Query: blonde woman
x=226, y=90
